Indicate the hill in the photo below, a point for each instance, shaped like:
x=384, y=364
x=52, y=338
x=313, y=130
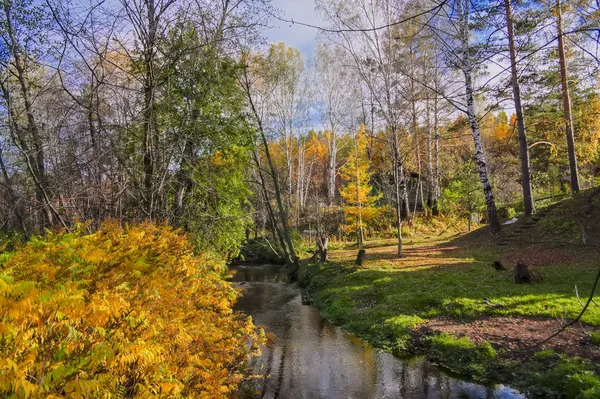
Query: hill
x=445, y=300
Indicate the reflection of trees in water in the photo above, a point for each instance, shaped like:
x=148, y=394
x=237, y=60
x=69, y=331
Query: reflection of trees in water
x=281, y=343
x=404, y=384
x=267, y=373
x=313, y=358
x=280, y=372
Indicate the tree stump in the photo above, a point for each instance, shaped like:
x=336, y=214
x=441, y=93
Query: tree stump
x=322, y=243
x=360, y=259
x=522, y=274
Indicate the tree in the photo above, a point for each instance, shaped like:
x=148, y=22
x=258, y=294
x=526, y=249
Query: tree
x=287, y=110
x=259, y=82
x=21, y=30
x=465, y=56
x=374, y=58
x=337, y=97
x=357, y=192
x=564, y=81
x=461, y=195
x=523, y=147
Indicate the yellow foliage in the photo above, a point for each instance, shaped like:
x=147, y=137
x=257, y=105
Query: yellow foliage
x=502, y=130
x=119, y=313
x=588, y=131
x=356, y=192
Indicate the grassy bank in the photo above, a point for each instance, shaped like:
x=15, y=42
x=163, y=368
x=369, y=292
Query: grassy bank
x=442, y=300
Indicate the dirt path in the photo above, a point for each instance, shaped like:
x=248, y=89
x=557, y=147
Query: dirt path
x=519, y=334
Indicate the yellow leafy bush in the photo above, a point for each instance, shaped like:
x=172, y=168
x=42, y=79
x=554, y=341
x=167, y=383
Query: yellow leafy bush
x=119, y=313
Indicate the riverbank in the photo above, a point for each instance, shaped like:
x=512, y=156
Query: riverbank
x=444, y=300
x=308, y=357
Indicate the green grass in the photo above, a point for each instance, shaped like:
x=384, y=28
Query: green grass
x=460, y=354
x=388, y=298
x=409, y=295
x=595, y=337
x=448, y=276
x=555, y=376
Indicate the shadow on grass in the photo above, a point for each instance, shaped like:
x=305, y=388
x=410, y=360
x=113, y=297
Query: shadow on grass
x=452, y=289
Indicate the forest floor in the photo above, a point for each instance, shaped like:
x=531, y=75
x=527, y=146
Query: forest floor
x=445, y=300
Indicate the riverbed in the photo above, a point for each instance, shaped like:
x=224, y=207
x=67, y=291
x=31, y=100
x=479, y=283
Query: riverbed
x=312, y=358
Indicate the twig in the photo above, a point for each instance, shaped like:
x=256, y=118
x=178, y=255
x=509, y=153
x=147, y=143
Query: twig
x=580, y=303
x=593, y=301
x=577, y=295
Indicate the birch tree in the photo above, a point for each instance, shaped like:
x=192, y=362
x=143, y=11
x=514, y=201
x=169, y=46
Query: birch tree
x=456, y=39
x=259, y=83
x=337, y=97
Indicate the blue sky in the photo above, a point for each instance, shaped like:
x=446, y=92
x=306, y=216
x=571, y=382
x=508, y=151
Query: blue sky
x=303, y=38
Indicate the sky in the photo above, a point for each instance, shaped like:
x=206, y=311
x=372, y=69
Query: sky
x=300, y=37
x=305, y=38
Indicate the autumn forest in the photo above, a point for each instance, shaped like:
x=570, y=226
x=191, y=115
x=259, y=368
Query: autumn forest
x=152, y=149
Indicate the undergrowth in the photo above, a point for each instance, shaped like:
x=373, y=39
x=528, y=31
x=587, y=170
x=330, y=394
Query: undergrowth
x=119, y=313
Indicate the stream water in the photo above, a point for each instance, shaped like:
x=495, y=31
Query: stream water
x=312, y=358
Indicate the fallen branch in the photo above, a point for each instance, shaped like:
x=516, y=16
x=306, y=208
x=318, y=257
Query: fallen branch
x=272, y=249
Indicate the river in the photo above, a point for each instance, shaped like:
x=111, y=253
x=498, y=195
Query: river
x=312, y=358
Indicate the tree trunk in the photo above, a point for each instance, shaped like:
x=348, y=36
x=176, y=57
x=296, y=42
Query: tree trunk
x=293, y=262
x=37, y=167
x=404, y=186
x=564, y=80
x=322, y=244
x=282, y=212
x=397, y=188
x=429, y=157
x=467, y=69
x=359, y=236
x=275, y=227
x=148, y=124
x=479, y=155
x=360, y=258
x=14, y=199
x=523, y=148
x=289, y=155
x=436, y=158
x=522, y=274
x=331, y=170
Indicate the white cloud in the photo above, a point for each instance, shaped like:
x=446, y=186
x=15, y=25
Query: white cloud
x=301, y=37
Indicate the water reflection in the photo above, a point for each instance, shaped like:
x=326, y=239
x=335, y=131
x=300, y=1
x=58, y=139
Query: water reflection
x=312, y=358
